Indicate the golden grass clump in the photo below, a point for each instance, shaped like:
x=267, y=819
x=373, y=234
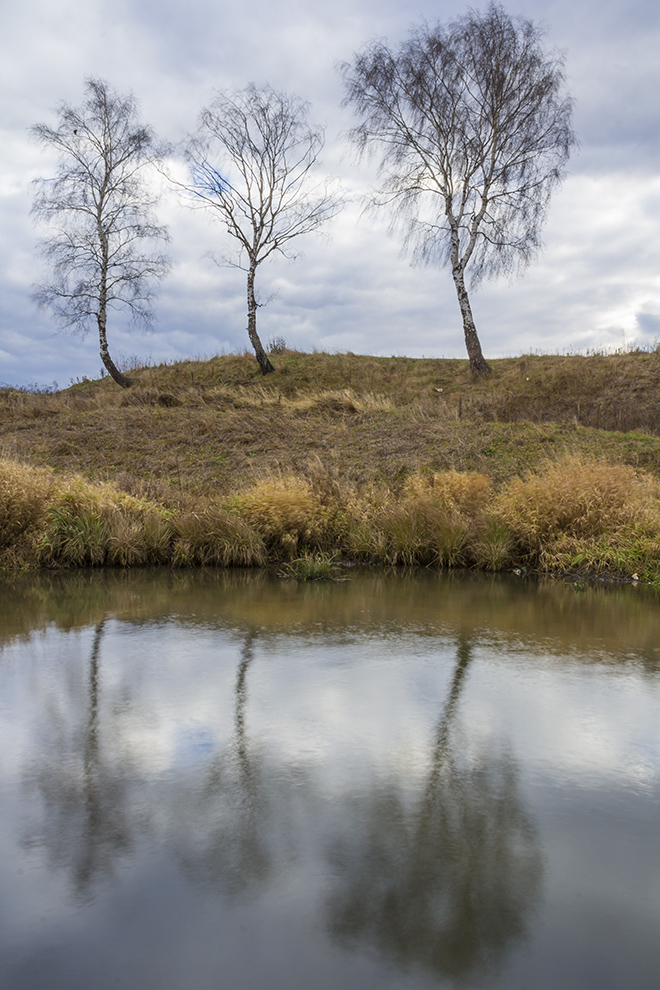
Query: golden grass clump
x=55, y=521
x=587, y=513
x=287, y=513
x=92, y=524
x=24, y=492
x=465, y=492
x=52, y=521
x=422, y=532
x=580, y=498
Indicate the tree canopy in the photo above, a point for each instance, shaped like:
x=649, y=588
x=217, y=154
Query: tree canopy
x=251, y=162
x=99, y=208
x=473, y=131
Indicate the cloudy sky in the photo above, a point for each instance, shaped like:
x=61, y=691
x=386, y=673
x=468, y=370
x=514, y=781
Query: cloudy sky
x=596, y=284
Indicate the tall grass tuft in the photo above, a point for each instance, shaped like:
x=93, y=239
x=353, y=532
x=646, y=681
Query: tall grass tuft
x=214, y=536
x=75, y=537
x=24, y=492
x=310, y=567
x=584, y=513
x=289, y=515
x=493, y=548
x=137, y=539
x=437, y=521
x=458, y=491
x=89, y=525
x=580, y=498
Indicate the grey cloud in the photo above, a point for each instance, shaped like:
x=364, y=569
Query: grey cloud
x=596, y=279
x=649, y=323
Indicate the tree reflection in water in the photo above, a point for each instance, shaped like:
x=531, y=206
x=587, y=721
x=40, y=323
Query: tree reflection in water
x=167, y=743
x=87, y=823
x=444, y=876
x=447, y=884
x=227, y=820
x=451, y=883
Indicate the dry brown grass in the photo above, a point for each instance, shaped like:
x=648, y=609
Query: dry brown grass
x=388, y=459
x=589, y=514
x=457, y=491
x=23, y=494
x=88, y=525
x=575, y=514
x=215, y=537
x=290, y=514
x=438, y=519
x=578, y=498
x=203, y=428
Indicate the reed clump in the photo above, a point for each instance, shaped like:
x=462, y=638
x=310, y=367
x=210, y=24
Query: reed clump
x=584, y=513
x=51, y=521
x=311, y=567
x=24, y=492
x=87, y=525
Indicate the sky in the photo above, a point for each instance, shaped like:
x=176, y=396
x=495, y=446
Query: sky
x=595, y=286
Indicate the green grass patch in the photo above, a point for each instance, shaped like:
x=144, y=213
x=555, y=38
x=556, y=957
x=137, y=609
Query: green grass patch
x=311, y=567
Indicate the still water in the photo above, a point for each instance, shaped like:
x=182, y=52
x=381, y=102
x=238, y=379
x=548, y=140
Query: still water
x=237, y=781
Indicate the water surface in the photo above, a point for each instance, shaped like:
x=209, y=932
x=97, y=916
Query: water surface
x=231, y=780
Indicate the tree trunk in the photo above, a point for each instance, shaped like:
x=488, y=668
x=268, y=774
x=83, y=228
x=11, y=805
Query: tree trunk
x=101, y=316
x=478, y=363
x=262, y=357
x=110, y=366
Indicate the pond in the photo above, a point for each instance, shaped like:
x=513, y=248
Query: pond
x=232, y=780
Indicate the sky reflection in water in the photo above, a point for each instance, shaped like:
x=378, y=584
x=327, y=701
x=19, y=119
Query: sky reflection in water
x=229, y=780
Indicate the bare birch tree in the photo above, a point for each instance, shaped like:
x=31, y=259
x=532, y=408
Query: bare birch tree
x=100, y=211
x=251, y=162
x=473, y=132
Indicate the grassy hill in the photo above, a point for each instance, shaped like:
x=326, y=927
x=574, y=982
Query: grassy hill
x=357, y=443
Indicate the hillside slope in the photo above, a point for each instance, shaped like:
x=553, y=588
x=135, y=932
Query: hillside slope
x=551, y=463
